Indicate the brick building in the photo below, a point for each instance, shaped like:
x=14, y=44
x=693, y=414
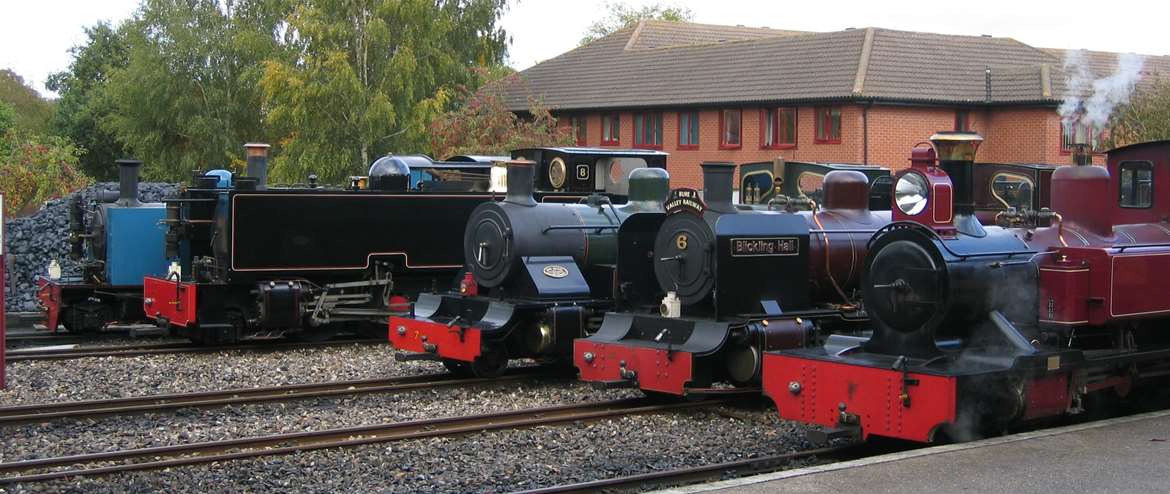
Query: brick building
x=730, y=93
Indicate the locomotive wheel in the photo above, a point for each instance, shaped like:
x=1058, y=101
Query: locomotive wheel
x=491, y=363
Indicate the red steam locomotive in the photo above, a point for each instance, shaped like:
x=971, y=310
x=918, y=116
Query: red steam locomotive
x=978, y=329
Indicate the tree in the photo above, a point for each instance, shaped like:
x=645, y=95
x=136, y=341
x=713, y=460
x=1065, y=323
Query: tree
x=481, y=124
x=366, y=76
x=1145, y=118
x=35, y=168
x=621, y=16
x=189, y=97
x=31, y=111
x=84, y=103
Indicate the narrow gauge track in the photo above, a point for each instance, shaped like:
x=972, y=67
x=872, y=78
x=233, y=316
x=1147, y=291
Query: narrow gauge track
x=168, y=348
x=702, y=473
x=203, y=399
x=93, y=464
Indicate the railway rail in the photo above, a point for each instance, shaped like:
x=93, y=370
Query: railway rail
x=696, y=474
x=166, y=348
x=204, y=399
x=108, y=462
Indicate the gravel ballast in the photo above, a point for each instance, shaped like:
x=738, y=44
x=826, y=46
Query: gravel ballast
x=485, y=462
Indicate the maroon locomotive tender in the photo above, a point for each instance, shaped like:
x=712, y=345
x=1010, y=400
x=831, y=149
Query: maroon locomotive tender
x=978, y=329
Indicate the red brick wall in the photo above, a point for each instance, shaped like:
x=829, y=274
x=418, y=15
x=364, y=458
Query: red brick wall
x=1012, y=135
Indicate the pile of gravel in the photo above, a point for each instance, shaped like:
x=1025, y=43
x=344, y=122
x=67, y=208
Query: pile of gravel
x=32, y=241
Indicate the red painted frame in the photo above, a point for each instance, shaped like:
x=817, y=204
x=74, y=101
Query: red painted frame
x=615, y=117
x=776, y=127
x=655, y=369
x=661, y=130
x=174, y=301
x=722, y=116
x=452, y=342
x=826, y=125
x=695, y=123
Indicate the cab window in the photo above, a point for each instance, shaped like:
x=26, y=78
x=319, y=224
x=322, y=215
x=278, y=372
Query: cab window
x=756, y=187
x=812, y=186
x=1137, y=184
x=1012, y=190
x=612, y=175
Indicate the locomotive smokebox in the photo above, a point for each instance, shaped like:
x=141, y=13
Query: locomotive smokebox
x=718, y=181
x=520, y=182
x=257, y=155
x=128, y=182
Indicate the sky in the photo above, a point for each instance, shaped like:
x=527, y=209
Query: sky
x=35, y=36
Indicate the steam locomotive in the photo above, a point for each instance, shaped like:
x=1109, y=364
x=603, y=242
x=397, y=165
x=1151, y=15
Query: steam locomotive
x=257, y=262
x=117, y=242
x=737, y=280
x=980, y=329
x=546, y=271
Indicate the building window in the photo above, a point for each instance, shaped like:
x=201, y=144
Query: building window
x=688, y=130
x=648, y=130
x=611, y=129
x=1071, y=133
x=778, y=128
x=828, y=125
x=579, y=132
x=1137, y=184
x=962, y=121
x=730, y=123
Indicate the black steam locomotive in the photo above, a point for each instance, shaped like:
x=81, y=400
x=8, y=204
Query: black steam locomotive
x=539, y=275
x=259, y=262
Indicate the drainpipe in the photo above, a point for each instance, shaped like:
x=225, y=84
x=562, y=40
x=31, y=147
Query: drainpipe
x=865, y=133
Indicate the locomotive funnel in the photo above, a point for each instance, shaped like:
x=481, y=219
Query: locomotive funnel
x=128, y=182
x=520, y=177
x=956, y=156
x=257, y=154
x=717, y=186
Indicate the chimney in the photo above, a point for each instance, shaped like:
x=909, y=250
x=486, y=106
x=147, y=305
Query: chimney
x=128, y=182
x=257, y=154
x=521, y=175
x=717, y=186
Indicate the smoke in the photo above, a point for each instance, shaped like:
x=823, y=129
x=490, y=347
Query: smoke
x=1090, y=101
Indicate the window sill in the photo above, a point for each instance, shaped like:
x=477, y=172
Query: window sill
x=730, y=147
x=779, y=146
x=687, y=147
x=826, y=141
x=611, y=143
x=648, y=146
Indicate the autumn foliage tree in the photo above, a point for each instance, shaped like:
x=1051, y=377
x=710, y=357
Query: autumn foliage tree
x=480, y=123
x=1145, y=118
x=363, y=75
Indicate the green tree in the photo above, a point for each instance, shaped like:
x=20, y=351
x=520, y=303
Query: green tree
x=620, y=16
x=32, y=112
x=1145, y=118
x=84, y=102
x=366, y=77
x=35, y=168
x=480, y=123
x=188, y=97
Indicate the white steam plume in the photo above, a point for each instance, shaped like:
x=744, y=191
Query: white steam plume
x=1090, y=102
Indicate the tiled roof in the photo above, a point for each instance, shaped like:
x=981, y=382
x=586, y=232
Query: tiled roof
x=661, y=34
x=658, y=64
